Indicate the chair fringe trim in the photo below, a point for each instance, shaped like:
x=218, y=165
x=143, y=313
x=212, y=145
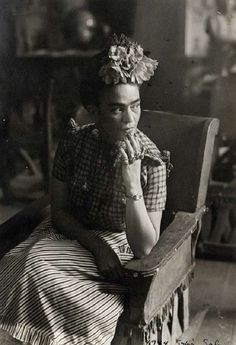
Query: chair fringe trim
x=154, y=327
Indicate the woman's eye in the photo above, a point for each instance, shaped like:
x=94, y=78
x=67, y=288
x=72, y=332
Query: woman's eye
x=135, y=106
x=116, y=110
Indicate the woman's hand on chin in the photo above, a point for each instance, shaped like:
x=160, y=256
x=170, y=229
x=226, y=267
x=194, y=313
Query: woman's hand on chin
x=131, y=165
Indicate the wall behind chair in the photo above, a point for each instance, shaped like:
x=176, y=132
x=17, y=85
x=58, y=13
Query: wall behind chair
x=160, y=26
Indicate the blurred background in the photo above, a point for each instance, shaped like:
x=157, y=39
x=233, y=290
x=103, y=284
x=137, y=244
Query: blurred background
x=45, y=46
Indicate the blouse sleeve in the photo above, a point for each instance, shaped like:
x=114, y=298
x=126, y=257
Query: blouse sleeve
x=155, y=191
x=64, y=153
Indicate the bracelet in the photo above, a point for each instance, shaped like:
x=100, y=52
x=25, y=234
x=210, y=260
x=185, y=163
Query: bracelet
x=135, y=197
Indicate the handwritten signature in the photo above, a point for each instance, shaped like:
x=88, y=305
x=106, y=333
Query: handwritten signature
x=191, y=342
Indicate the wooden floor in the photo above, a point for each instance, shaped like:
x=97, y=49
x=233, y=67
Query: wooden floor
x=213, y=304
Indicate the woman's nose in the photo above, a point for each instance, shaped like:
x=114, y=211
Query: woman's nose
x=127, y=116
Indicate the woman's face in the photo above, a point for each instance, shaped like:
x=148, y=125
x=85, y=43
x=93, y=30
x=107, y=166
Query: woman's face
x=119, y=111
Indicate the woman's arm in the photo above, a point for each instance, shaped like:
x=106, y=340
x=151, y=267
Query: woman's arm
x=143, y=228
x=64, y=222
x=107, y=261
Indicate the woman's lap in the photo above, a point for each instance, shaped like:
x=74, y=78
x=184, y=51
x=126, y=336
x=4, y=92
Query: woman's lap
x=53, y=290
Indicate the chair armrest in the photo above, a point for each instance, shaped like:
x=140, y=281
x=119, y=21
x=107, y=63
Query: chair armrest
x=172, y=238
x=164, y=270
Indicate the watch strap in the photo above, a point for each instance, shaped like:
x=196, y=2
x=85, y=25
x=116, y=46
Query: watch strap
x=135, y=197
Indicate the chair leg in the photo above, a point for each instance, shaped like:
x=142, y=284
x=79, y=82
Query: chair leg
x=136, y=338
x=165, y=333
x=176, y=329
x=183, y=311
x=171, y=329
x=120, y=338
x=185, y=307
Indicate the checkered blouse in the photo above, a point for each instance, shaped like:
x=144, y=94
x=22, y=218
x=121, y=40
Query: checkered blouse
x=96, y=190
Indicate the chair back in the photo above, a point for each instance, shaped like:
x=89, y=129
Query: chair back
x=190, y=141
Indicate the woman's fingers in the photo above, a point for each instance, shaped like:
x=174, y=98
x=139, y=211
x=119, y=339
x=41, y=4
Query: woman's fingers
x=133, y=148
x=130, y=149
x=124, y=156
x=135, y=144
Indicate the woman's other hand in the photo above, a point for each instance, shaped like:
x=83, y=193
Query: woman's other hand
x=131, y=167
x=108, y=263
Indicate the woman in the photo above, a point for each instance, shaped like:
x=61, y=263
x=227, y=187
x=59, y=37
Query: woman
x=64, y=284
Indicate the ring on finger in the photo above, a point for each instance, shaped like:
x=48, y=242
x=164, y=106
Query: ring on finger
x=130, y=151
x=132, y=159
x=138, y=155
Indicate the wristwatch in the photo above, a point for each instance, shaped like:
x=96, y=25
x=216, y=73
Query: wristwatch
x=135, y=197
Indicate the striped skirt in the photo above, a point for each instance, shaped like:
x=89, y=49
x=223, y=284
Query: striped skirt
x=51, y=292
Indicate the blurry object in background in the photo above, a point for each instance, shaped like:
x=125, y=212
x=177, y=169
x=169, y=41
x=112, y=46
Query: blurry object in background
x=210, y=49
x=80, y=28
x=83, y=30
x=219, y=232
x=31, y=27
x=6, y=169
x=20, y=171
x=196, y=81
x=218, y=236
x=119, y=15
x=197, y=88
x=221, y=27
x=225, y=165
x=196, y=38
x=27, y=184
x=46, y=27
x=70, y=4
x=223, y=105
x=209, y=25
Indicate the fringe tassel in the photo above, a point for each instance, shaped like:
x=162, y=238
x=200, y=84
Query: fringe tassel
x=151, y=330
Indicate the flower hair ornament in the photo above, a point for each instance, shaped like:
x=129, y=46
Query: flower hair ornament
x=125, y=62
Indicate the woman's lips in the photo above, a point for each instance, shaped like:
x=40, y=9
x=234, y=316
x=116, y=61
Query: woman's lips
x=129, y=130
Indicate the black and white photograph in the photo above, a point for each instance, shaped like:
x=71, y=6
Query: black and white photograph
x=117, y=172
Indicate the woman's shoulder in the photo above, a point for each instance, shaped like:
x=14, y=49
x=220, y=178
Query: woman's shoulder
x=149, y=148
x=75, y=130
x=74, y=133
x=152, y=154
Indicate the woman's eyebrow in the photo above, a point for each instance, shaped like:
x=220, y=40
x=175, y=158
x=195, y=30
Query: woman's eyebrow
x=137, y=100
x=122, y=104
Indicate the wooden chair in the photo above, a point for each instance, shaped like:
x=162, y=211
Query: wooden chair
x=157, y=307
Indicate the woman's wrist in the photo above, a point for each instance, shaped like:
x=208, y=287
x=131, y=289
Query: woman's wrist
x=134, y=190
x=134, y=197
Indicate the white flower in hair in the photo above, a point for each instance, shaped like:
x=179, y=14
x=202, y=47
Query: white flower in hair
x=125, y=62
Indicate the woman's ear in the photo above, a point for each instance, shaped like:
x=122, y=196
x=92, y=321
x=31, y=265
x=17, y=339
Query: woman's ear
x=93, y=112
